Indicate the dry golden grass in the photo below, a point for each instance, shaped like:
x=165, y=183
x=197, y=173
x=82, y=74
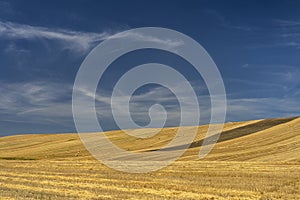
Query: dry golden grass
x=258, y=159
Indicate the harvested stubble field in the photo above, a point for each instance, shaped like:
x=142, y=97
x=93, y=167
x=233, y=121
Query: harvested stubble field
x=257, y=159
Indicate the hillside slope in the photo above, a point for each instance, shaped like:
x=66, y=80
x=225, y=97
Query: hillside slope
x=257, y=159
x=275, y=140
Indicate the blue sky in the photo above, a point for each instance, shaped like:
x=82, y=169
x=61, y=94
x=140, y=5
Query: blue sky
x=255, y=44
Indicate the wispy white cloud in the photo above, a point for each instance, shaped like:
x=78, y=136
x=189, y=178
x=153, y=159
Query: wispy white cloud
x=136, y=36
x=39, y=101
x=282, y=33
x=49, y=104
x=270, y=76
x=287, y=23
x=73, y=40
x=76, y=41
x=258, y=108
x=246, y=65
x=289, y=32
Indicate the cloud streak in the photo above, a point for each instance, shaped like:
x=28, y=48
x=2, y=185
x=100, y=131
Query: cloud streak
x=73, y=40
x=35, y=103
x=147, y=38
x=76, y=41
x=289, y=33
x=44, y=104
x=288, y=23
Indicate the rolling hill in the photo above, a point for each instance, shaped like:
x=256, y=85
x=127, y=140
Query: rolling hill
x=257, y=140
x=258, y=159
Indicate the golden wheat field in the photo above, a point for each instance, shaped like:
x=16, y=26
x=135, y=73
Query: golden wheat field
x=257, y=159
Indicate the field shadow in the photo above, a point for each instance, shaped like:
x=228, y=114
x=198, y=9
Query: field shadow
x=235, y=133
x=16, y=158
